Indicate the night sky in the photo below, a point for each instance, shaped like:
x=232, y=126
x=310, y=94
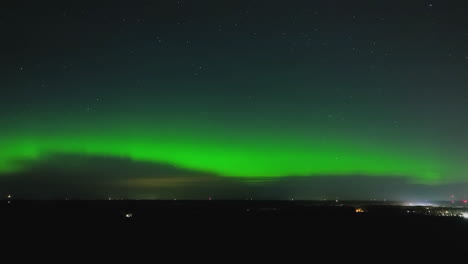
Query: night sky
x=234, y=99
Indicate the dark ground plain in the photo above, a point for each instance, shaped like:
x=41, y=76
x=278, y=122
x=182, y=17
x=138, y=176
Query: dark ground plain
x=247, y=224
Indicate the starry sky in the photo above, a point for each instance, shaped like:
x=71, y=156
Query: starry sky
x=234, y=99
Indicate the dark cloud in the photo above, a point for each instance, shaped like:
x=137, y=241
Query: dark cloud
x=57, y=176
x=84, y=176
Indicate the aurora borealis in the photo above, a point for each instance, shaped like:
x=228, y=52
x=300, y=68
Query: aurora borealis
x=238, y=98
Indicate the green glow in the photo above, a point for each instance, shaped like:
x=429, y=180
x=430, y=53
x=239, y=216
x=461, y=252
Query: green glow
x=227, y=153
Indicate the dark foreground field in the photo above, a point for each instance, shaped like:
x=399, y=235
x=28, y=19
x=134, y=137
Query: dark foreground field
x=243, y=222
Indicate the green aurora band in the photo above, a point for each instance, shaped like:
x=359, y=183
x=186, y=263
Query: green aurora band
x=258, y=155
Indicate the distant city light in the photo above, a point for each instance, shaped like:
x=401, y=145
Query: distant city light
x=128, y=215
x=420, y=204
x=464, y=215
x=9, y=196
